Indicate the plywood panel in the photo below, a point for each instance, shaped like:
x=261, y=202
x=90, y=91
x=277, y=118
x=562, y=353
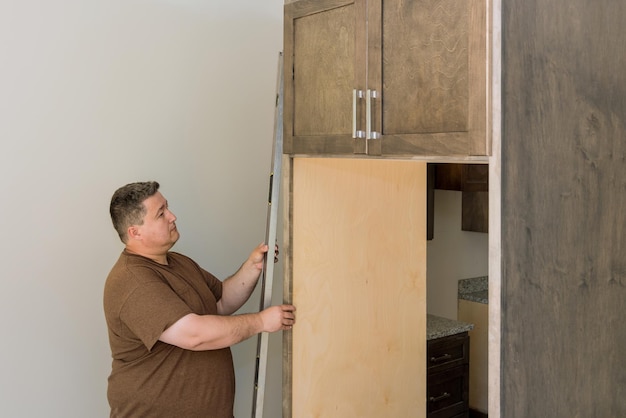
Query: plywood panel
x=477, y=314
x=358, y=281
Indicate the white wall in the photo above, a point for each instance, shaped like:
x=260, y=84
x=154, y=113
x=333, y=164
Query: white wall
x=453, y=255
x=98, y=93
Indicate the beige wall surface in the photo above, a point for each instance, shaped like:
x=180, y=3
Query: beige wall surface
x=97, y=94
x=453, y=255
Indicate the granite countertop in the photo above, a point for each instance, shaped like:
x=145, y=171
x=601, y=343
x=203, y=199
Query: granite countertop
x=438, y=327
x=475, y=289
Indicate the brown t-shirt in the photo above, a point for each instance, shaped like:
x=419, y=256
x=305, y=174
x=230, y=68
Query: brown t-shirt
x=150, y=378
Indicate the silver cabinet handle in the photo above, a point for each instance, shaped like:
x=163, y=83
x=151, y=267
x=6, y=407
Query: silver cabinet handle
x=445, y=357
x=356, y=94
x=369, y=134
x=441, y=397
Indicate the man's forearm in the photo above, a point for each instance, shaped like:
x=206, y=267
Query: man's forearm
x=236, y=290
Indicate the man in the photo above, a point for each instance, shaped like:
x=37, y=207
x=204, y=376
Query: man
x=169, y=321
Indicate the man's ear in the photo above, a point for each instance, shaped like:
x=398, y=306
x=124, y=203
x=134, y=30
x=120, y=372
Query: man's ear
x=133, y=232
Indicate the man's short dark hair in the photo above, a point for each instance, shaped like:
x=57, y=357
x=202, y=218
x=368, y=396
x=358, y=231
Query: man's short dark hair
x=127, y=206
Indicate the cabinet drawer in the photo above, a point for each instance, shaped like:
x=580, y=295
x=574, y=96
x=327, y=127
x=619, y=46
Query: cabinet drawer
x=447, y=393
x=447, y=352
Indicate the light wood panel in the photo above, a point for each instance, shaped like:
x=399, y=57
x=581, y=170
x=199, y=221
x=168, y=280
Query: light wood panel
x=477, y=314
x=358, y=280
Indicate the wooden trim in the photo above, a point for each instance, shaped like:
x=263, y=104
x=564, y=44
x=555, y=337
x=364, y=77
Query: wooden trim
x=287, y=250
x=307, y=7
x=448, y=144
x=288, y=79
x=478, y=116
x=494, y=11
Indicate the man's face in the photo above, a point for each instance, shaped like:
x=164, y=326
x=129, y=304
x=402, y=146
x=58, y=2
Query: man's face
x=159, y=224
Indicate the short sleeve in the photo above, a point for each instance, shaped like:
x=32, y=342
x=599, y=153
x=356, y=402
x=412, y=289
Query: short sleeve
x=214, y=284
x=150, y=309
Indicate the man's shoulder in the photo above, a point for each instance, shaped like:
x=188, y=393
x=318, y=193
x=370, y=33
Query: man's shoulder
x=129, y=268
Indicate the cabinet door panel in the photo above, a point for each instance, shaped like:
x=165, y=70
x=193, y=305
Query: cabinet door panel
x=322, y=69
x=358, y=280
x=425, y=66
x=427, y=58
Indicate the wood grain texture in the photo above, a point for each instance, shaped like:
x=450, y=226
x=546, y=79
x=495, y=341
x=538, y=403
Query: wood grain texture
x=432, y=72
x=477, y=314
x=324, y=43
x=358, y=281
x=427, y=60
x=475, y=211
x=425, y=55
x=287, y=169
x=563, y=217
x=324, y=72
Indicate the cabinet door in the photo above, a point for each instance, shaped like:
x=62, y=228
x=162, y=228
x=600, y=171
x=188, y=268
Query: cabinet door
x=357, y=278
x=324, y=58
x=428, y=63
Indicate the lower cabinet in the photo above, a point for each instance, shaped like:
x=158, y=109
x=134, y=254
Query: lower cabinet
x=447, y=391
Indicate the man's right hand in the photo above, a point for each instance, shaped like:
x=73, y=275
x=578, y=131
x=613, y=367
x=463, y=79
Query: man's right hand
x=280, y=317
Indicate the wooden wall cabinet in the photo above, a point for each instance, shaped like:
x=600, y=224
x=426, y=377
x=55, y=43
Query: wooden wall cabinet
x=473, y=181
x=386, y=77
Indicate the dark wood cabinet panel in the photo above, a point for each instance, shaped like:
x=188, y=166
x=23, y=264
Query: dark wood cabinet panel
x=386, y=77
x=475, y=211
x=323, y=65
x=473, y=181
x=476, y=178
x=462, y=177
x=448, y=377
x=427, y=60
x=449, y=176
x=563, y=204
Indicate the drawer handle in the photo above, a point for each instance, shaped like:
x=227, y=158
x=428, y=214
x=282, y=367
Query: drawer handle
x=356, y=94
x=439, y=398
x=369, y=96
x=445, y=357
